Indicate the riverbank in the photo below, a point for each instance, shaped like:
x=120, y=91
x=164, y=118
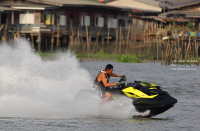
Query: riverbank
x=121, y=58
x=100, y=57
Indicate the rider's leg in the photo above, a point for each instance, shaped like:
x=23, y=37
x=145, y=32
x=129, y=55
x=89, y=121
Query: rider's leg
x=107, y=96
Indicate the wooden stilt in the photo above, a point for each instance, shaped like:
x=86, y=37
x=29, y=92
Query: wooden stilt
x=32, y=40
x=87, y=41
x=96, y=40
x=39, y=42
x=52, y=43
x=58, y=35
x=5, y=30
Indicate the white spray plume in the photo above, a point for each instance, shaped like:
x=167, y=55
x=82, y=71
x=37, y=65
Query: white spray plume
x=31, y=87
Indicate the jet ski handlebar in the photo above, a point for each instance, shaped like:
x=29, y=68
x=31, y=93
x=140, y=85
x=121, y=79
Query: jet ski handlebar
x=122, y=78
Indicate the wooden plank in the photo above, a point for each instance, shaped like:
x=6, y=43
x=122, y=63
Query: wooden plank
x=143, y=46
x=37, y=18
x=4, y=39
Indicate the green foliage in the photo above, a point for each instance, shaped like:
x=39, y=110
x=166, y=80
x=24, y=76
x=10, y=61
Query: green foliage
x=101, y=56
x=190, y=26
x=171, y=22
x=81, y=56
x=128, y=59
x=172, y=27
x=178, y=28
x=101, y=52
x=45, y=54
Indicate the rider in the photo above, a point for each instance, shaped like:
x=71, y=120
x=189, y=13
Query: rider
x=101, y=82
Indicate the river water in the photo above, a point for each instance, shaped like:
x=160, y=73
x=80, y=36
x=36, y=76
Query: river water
x=38, y=94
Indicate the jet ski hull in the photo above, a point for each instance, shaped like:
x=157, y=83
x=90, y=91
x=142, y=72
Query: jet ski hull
x=156, y=105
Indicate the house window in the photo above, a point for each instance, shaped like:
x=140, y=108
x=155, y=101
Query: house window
x=61, y=17
x=48, y=18
x=99, y=21
x=96, y=19
x=111, y=22
x=85, y=19
x=26, y=17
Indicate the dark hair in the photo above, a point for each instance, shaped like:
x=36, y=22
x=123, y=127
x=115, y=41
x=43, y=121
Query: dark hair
x=108, y=67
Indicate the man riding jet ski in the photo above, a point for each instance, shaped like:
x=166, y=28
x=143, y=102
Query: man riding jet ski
x=146, y=96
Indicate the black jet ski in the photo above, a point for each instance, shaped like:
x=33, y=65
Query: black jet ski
x=146, y=97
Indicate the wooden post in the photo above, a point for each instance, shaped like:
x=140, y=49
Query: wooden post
x=116, y=40
x=32, y=40
x=78, y=36
x=178, y=53
x=58, y=36
x=196, y=50
x=52, y=42
x=116, y=36
x=18, y=34
x=185, y=50
x=167, y=51
x=157, y=46
x=87, y=41
x=72, y=38
x=127, y=42
x=32, y=36
x=182, y=46
x=4, y=37
x=102, y=40
x=108, y=35
x=187, y=55
x=96, y=40
x=171, y=51
x=39, y=42
x=139, y=49
x=120, y=37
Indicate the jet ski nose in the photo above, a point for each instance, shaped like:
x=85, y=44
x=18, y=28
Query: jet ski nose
x=173, y=101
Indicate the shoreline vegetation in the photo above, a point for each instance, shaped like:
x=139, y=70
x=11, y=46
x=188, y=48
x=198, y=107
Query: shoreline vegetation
x=100, y=56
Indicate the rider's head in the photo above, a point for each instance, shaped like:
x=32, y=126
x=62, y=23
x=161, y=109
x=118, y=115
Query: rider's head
x=109, y=69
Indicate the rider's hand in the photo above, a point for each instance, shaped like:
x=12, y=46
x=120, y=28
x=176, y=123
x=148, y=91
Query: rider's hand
x=121, y=83
x=124, y=77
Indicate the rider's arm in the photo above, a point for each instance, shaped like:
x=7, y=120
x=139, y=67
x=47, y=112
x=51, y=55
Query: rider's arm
x=115, y=75
x=106, y=84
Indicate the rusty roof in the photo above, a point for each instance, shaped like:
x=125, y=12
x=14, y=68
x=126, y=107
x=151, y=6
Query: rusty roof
x=182, y=3
x=163, y=19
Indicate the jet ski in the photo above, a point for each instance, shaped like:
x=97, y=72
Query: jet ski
x=146, y=96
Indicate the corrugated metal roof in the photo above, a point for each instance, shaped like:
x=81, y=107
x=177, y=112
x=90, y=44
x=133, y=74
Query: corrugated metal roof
x=164, y=19
x=134, y=5
x=150, y=2
x=181, y=3
x=69, y=2
x=187, y=14
x=76, y=3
